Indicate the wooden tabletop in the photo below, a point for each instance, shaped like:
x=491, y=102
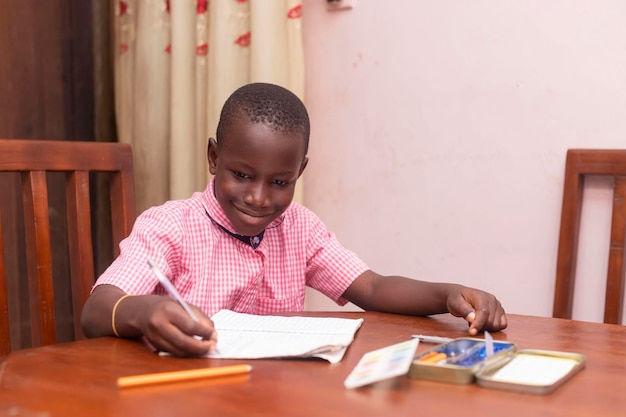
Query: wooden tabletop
x=79, y=378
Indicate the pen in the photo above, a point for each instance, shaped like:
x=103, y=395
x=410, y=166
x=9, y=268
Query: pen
x=149, y=379
x=170, y=289
x=432, y=339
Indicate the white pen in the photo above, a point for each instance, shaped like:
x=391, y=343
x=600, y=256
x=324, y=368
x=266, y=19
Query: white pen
x=170, y=289
x=432, y=339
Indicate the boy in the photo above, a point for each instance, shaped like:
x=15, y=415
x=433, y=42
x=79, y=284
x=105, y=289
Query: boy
x=243, y=245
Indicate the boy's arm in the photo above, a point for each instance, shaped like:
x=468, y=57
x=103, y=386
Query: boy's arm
x=401, y=295
x=164, y=323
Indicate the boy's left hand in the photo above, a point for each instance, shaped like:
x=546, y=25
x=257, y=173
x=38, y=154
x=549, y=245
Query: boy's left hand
x=481, y=310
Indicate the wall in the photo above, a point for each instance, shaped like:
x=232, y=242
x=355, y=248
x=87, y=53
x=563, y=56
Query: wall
x=439, y=132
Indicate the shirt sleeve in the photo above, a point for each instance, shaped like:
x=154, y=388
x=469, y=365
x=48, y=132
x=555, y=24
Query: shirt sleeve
x=155, y=236
x=331, y=268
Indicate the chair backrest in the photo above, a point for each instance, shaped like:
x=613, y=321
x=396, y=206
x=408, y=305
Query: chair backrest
x=579, y=164
x=34, y=161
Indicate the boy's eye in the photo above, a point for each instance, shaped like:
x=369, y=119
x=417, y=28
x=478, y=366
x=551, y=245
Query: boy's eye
x=280, y=183
x=241, y=175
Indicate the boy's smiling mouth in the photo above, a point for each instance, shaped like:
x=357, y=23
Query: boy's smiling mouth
x=255, y=220
x=251, y=222
x=252, y=213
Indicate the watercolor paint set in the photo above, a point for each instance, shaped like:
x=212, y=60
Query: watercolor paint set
x=377, y=365
x=496, y=364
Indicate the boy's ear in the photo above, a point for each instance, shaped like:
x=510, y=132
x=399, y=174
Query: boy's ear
x=211, y=155
x=305, y=161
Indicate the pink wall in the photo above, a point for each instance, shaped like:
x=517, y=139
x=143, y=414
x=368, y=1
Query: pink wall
x=439, y=131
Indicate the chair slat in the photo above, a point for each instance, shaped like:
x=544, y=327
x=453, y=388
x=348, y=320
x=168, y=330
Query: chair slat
x=39, y=257
x=5, y=334
x=614, y=299
x=122, y=192
x=80, y=242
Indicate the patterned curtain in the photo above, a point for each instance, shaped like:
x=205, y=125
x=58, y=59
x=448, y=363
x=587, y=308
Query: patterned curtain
x=176, y=62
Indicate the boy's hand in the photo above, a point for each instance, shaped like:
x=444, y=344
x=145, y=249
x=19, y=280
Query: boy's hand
x=481, y=310
x=159, y=319
x=168, y=327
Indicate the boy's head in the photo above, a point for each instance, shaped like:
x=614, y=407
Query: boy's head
x=260, y=152
x=269, y=104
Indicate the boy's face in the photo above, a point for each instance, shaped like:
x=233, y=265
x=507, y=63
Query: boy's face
x=255, y=171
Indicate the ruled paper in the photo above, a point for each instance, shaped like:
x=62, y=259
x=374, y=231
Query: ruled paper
x=247, y=336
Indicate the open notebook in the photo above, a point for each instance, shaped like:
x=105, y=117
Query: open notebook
x=247, y=336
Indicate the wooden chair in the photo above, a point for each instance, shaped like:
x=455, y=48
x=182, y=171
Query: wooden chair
x=34, y=161
x=579, y=164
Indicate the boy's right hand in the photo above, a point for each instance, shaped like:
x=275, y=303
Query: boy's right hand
x=168, y=327
x=160, y=319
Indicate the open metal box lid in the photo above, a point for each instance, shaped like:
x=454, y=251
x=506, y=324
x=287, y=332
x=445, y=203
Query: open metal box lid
x=533, y=371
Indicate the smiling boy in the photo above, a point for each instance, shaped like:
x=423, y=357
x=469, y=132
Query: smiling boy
x=244, y=245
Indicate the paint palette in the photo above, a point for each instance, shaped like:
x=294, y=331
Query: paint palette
x=380, y=364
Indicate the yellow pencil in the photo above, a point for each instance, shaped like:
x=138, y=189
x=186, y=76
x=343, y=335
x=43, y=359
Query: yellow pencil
x=148, y=379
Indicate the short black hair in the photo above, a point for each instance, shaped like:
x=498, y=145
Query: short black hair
x=270, y=104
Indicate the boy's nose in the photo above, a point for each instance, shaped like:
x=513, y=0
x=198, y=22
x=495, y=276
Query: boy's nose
x=257, y=195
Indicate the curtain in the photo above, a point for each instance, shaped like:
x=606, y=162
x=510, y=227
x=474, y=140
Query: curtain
x=176, y=62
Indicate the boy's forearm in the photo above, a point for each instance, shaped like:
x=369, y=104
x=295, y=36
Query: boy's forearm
x=408, y=296
x=400, y=295
x=97, y=311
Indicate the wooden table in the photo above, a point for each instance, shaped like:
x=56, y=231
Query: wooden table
x=79, y=378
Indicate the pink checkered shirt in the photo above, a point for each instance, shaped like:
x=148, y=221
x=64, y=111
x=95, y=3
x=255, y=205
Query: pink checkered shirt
x=215, y=270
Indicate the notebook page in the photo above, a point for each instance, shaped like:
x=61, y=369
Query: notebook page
x=247, y=336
